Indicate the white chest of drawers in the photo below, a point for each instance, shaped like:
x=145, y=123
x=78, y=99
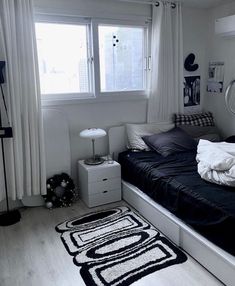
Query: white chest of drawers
x=100, y=184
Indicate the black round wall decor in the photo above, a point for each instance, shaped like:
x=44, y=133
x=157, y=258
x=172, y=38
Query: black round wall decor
x=189, y=63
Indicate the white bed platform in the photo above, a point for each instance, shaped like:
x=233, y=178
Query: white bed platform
x=217, y=261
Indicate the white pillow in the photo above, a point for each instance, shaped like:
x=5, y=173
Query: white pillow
x=135, y=132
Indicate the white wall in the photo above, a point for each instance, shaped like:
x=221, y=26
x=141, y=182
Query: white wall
x=195, y=32
x=93, y=8
x=103, y=115
x=221, y=49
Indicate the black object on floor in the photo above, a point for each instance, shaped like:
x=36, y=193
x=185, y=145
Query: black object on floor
x=10, y=217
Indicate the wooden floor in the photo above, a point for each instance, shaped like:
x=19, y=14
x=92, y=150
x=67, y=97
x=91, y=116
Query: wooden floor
x=32, y=254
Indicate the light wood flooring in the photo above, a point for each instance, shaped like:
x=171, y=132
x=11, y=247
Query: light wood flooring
x=32, y=254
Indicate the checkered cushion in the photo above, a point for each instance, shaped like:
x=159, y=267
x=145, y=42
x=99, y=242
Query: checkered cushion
x=199, y=119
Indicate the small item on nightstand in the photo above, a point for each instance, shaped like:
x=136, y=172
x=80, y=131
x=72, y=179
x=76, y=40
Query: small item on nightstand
x=110, y=159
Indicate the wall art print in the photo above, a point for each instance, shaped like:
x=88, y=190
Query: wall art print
x=215, y=77
x=191, y=91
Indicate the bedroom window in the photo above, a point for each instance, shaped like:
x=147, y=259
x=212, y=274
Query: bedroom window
x=84, y=58
x=63, y=56
x=121, y=55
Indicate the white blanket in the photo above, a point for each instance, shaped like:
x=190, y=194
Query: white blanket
x=216, y=162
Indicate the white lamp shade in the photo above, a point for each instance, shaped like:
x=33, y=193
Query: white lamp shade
x=92, y=133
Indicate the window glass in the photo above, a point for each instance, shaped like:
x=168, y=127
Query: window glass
x=121, y=55
x=63, y=58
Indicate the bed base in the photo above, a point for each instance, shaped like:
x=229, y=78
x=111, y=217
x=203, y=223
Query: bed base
x=220, y=263
x=217, y=261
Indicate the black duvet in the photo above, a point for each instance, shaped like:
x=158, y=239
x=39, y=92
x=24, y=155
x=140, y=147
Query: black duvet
x=175, y=183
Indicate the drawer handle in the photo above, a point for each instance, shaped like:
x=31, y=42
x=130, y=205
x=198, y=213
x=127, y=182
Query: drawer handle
x=105, y=192
x=105, y=179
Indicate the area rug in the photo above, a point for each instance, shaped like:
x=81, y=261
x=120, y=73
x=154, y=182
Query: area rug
x=117, y=247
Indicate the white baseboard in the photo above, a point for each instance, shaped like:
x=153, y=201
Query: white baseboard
x=33, y=201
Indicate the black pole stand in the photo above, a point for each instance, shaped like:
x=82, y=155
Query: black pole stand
x=10, y=216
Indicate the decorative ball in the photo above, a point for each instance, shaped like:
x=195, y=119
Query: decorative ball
x=49, y=205
x=48, y=186
x=63, y=184
x=59, y=191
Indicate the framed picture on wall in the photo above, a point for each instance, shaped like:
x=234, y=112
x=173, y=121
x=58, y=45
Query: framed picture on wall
x=191, y=90
x=215, y=77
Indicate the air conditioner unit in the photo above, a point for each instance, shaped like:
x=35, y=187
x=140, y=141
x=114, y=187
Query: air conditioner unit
x=225, y=26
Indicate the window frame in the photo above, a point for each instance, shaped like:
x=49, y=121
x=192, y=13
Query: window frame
x=95, y=93
x=124, y=23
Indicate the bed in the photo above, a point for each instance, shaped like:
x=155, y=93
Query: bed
x=196, y=215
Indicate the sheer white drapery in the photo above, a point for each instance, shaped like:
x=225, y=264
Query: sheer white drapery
x=166, y=85
x=25, y=152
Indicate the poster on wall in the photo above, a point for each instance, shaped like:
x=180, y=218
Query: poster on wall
x=215, y=77
x=191, y=91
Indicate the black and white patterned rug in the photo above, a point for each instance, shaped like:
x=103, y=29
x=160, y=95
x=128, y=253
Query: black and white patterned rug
x=117, y=247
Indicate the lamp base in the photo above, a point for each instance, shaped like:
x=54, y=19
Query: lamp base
x=9, y=218
x=92, y=161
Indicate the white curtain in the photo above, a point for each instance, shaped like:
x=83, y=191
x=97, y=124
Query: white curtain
x=166, y=86
x=25, y=152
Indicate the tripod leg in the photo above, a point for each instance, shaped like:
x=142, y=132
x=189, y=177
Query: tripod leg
x=9, y=217
x=5, y=175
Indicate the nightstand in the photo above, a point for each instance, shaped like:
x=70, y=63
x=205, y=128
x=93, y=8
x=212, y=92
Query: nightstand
x=100, y=184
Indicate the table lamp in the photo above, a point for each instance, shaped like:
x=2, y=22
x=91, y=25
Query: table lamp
x=93, y=133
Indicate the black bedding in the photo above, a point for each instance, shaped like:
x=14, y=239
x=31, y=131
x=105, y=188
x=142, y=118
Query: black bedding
x=174, y=183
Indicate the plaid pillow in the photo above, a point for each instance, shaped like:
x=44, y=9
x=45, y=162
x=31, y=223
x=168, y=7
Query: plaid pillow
x=199, y=119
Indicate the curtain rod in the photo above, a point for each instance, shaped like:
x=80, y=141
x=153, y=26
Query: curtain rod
x=151, y=2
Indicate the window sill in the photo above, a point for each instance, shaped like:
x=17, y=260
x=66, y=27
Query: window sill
x=88, y=100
